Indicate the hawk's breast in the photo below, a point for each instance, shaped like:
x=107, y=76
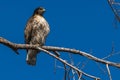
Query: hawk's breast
x=42, y=22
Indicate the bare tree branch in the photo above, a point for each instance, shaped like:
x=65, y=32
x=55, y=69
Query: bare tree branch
x=63, y=61
x=101, y=68
x=65, y=75
x=44, y=49
x=55, y=66
x=112, y=52
x=109, y=74
x=56, y=53
x=114, y=10
x=61, y=49
x=87, y=55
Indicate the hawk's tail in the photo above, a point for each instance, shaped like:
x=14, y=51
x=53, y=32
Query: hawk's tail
x=31, y=57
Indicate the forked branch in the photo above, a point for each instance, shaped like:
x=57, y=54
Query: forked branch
x=60, y=49
x=47, y=49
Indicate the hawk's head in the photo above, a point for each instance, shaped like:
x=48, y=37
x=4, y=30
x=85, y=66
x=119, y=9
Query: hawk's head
x=39, y=11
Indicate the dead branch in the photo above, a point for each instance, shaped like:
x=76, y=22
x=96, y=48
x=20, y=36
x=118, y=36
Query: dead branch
x=65, y=62
x=114, y=10
x=65, y=73
x=60, y=49
x=109, y=74
x=112, y=52
x=46, y=49
x=87, y=55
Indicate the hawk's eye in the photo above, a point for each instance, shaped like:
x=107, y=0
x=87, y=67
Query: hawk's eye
x=40, y=9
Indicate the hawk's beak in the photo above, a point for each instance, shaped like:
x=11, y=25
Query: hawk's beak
x=44, y=10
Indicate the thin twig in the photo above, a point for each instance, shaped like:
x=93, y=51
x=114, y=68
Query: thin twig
x=56, y=53
x=72, y=63
x=65, y=69
x=79, y=76
x=112, y=52
x=114, y=11
x=109, y=74
x=104, y=71
x=55, y=66
x=69, y=73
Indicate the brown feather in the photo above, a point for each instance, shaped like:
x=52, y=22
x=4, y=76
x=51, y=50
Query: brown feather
x=35, y=32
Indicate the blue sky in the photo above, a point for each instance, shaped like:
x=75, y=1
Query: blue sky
x=86, y=25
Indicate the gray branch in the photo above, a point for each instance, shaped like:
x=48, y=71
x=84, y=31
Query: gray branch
x=60, y=49
x=47, y=49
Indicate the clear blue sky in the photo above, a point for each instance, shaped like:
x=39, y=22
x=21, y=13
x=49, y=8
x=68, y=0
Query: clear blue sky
x=86, y=25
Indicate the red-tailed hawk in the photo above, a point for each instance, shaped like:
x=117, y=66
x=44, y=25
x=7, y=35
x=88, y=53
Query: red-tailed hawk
x=36, y=32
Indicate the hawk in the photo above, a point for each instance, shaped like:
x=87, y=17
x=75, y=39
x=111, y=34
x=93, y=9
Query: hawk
x=36, y=31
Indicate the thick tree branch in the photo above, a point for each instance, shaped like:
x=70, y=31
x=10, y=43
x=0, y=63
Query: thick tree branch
x=89, y=56
x=61, y=49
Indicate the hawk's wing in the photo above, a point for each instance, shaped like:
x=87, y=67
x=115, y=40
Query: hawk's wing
x=28, y=30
